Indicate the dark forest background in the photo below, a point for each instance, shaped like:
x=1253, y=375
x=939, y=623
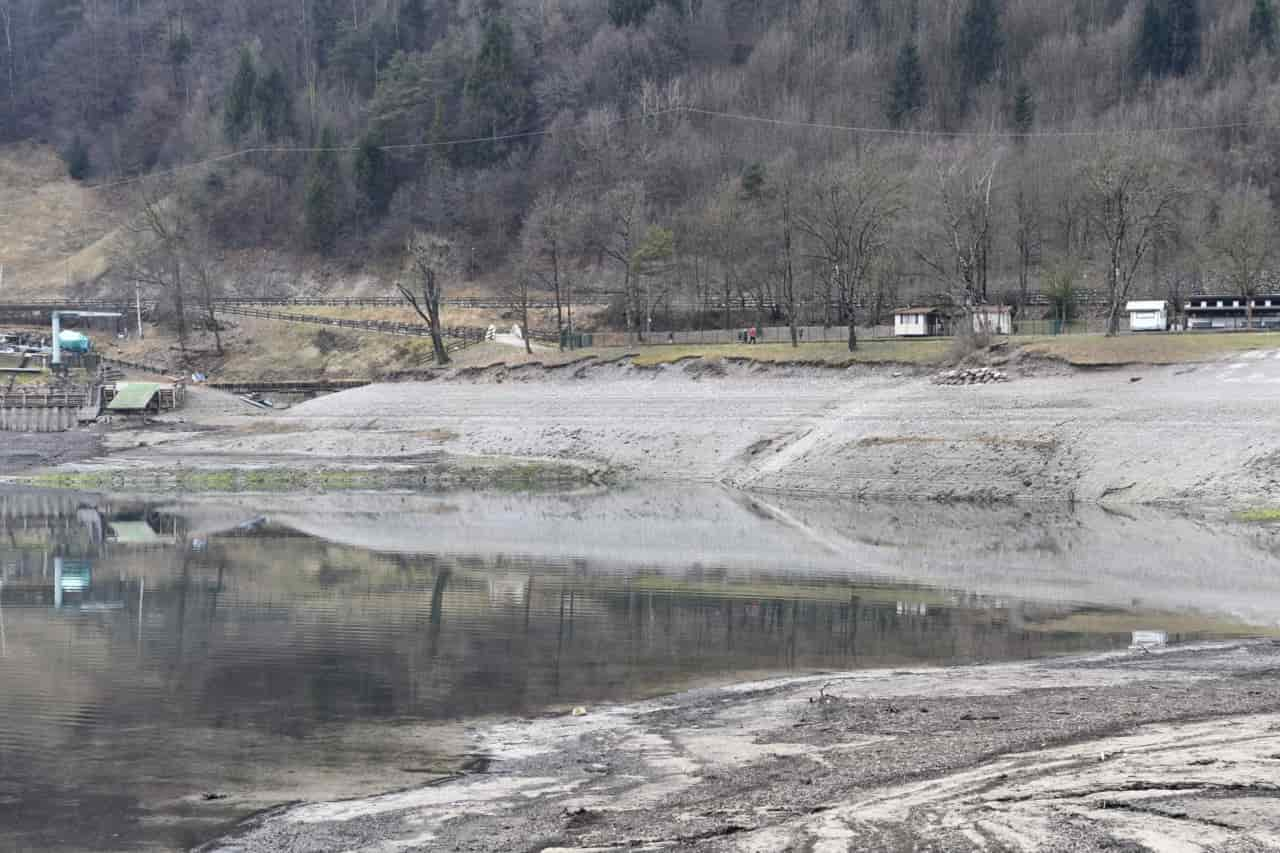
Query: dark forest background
x=685, y=149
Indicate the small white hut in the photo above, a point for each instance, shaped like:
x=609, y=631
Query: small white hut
x=1148, y=315
x=919, y=322
x=993, y=320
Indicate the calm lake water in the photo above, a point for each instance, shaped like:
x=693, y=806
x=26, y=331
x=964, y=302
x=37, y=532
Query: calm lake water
x=169, y=666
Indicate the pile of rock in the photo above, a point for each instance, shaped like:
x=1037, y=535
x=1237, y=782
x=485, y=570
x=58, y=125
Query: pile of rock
x=971, y=376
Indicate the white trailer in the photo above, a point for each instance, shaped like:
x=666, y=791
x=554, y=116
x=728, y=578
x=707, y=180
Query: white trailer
x=1148, y=316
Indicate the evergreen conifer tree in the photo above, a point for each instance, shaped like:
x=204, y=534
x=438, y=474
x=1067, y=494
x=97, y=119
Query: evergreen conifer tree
x=906, y=91
x=1151, y=56
x=1024, y=108
x=322, y=202
x=629, y=13
x=981, y=41
x=1262, y=27
x=373, y=176
x=77, y=159
x=1184, y=36
x=237, y=115
x=494, y=93
x=273, y=105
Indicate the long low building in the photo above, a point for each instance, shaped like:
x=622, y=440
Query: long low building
x=1232, y=312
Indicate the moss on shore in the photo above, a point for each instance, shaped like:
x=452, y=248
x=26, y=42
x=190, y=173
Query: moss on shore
x=513, y=474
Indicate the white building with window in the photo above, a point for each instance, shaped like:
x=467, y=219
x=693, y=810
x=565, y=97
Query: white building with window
x=1148, y=316
x=919, y=322
x=993, y=320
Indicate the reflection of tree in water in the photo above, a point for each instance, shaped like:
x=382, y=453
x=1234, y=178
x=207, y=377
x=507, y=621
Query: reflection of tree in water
x=287, y=633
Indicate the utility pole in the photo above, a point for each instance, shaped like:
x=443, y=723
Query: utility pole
x=137, y=297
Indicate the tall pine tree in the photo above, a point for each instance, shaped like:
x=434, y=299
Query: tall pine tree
x=1184, y=36
x=237, y=116
x=629, y=13
x=495, y=96
x=1262, y=27
x=373, y=176
x=1151, y=55
x=1024, y=108
x=273, y=105
x=981, y=41
x=322, y=204
x=906, y=91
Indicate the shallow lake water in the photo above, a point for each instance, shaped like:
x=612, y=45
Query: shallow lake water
x=168, y=666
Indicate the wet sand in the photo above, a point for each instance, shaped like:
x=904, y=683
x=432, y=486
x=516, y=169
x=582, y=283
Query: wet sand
x=25, y=451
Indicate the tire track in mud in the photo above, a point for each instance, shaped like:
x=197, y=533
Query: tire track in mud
x=1139, y=788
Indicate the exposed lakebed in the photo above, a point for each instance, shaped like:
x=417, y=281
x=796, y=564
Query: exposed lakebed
x=168, y=666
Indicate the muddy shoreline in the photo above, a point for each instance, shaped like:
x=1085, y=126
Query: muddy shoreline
x=1149, y=750
x=1133, y=436
x=1144, y=750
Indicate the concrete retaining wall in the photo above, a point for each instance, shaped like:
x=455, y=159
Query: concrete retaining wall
x=52, y=419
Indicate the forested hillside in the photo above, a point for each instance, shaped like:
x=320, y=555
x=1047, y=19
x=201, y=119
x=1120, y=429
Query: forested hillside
x=812, y=153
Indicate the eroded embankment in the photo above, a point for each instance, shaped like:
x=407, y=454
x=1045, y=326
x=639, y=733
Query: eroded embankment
x=1177, y=435
x=1081, y=754
x=1120, y=436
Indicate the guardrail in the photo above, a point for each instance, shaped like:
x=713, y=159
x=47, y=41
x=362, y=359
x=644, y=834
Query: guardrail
x=133, y=365
x=462, y=336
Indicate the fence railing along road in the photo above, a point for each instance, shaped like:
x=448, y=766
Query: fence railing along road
x=460, y=336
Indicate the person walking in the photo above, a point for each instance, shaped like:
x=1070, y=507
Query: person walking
x=751, y=335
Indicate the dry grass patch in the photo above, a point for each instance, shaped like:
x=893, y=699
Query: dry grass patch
x=1190, y=623
x=50, y=226
x=1177, y=348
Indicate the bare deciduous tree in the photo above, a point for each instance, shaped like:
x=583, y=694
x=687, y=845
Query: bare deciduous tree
x=520, y=285
x=848, y=217
x=1134, y=192
x=624, y=223
x=963, y=183
x=1028, y=226
x=548, y=241
x=788, y=267
x=1242, y=243
x=160, y=247
x=430, y=259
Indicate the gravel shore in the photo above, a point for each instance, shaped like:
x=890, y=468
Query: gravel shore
x=1103, y=752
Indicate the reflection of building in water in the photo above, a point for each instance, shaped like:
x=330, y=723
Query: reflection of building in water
x=55, y=544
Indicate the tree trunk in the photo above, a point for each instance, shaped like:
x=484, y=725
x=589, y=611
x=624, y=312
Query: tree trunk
x=180, y=306
x=627, y=297
x=789, y=281
x=568, y=301
x=437, y=339
x=555, y=283
x=524, y=316
x=728, y=302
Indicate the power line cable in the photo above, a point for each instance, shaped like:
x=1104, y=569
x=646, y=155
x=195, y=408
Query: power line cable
x=347, y=149
x=976, y=134
x=740, y=117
